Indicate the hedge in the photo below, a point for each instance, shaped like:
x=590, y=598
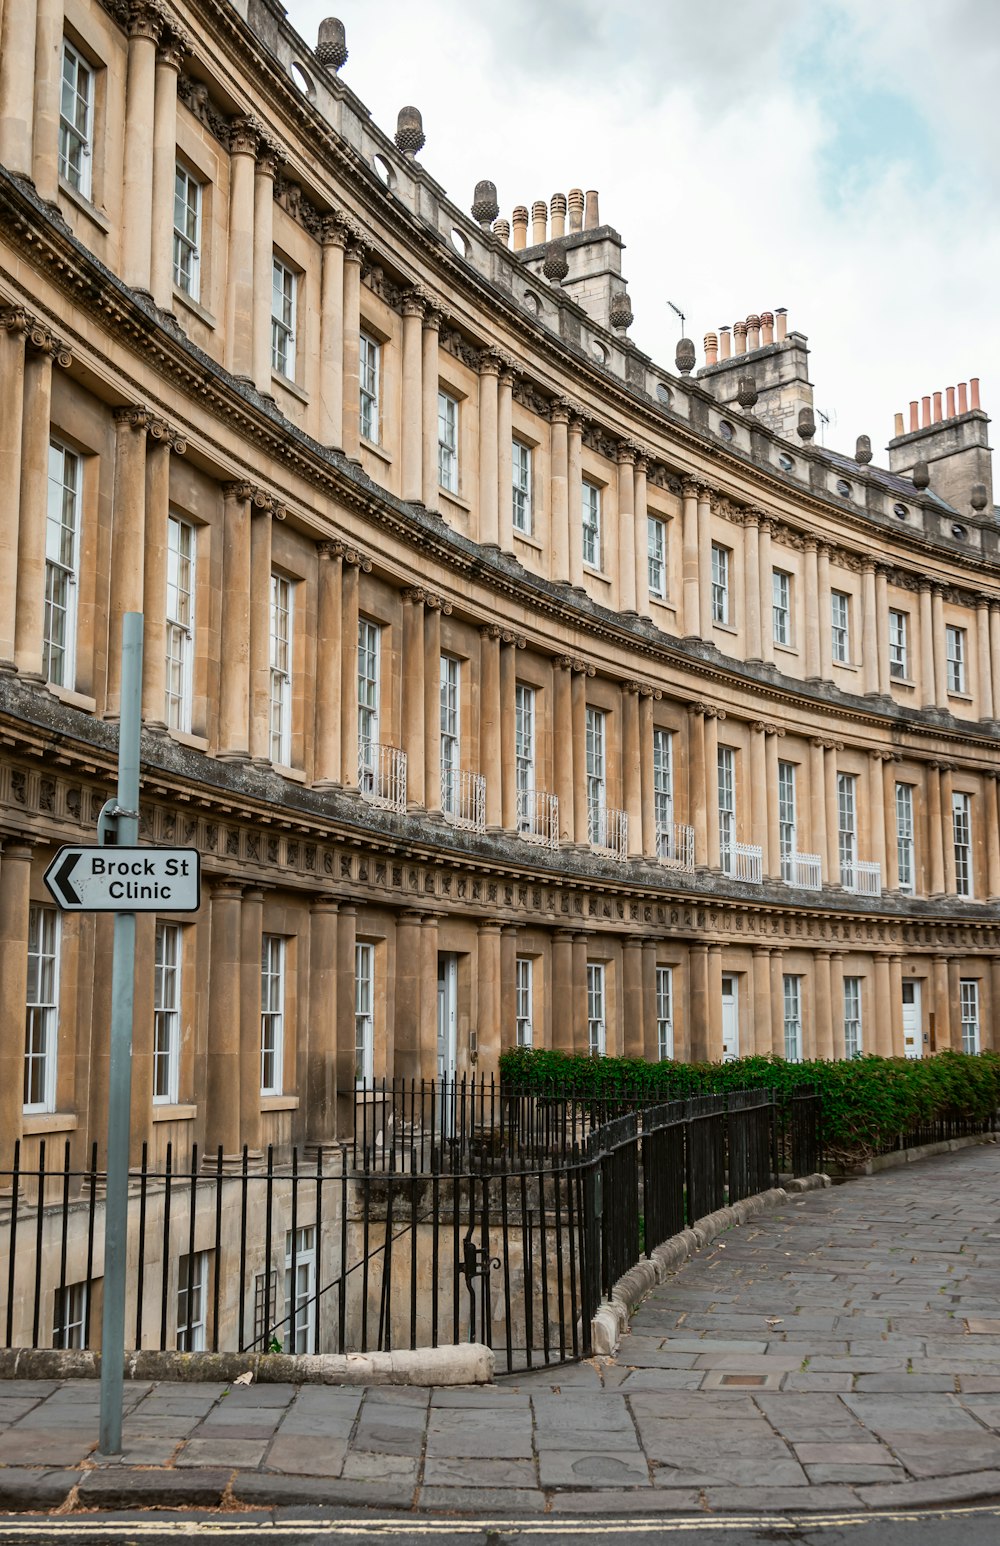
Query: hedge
x=870, y=1104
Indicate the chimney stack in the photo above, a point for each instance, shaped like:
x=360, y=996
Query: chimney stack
x=591, y=217
x=945, y=448
x=557, y=207
x=576, y=209
x=539, y=214
x=520, y=219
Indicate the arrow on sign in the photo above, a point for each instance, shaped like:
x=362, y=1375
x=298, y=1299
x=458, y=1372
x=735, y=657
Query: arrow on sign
x=60, y=881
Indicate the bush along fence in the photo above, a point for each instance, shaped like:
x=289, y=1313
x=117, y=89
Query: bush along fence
x=468, y=1212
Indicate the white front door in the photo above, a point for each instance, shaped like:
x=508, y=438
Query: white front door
x=913, y=1021
x=447, y=982
x=730, y=1019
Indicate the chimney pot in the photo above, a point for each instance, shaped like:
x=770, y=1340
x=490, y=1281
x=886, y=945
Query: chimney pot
x=591, y=218
x=520, y=220
x=753, y=331
x=914, y=415
x=711, y=348
x=575, y=202
x=501, y=231
x=950, y=398
x=925, y=413
x=898, y=427
x=557, y=207
x=974, y=390
x=539, y=216
x=725, y=342
x=781, y=321
x=963, y=397
x=767, y=327
x=937, y=407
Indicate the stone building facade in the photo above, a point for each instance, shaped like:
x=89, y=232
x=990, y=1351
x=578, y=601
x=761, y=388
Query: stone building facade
x=512, y=687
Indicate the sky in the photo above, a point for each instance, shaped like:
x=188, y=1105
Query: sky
x=840, y=158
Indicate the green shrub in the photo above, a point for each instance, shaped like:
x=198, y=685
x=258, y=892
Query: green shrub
x=869, y=1103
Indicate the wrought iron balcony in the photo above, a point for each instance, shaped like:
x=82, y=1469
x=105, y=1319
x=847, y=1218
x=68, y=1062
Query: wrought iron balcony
x=743, y=861
x=862, y=876
x=607, y=830
x=382, y=775
x=463, y=798
x=538, y=817
x=805, y=870
x=675, y=844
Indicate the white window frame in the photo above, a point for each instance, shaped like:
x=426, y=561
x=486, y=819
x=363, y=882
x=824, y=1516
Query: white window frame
x=63, y=515
x=968, y=998
x=721, y=567
x=370, y=387
x=187, y=231
x=597, y=1028
x=192, y=1314
x=656, y=556
x=304, y=1290
x=522, y=462
x=787, y=818
x=726, y=774
x=905, y=852
x=447, y=442
x=524, y=993
x=853, y=1018
x=69, y=1315
x=524, y=738
x=847, y=828
x=597, y=764
x=364, y=1012
x=899, y=664
x=665, y=1012
x=41, y=1036
x=76, y=120
x=272, y=1014
x=369, y=699
x=955, y=654
x=284, y=318
x=451, y=733
x=781, y=606
x=280, y=632
x=961, y=833
x=590, y=523
x=182, y=551
x=167, y=983
x=791, y=988
x=663, y=778
x=840, y=627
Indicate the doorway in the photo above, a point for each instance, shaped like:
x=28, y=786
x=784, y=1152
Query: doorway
x=447, y=1017
x=913, y=1020
x=730, y=1019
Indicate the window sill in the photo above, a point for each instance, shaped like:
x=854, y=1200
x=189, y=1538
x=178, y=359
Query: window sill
x=845, y=665
x=77, y=700
x=726, y=627
x=290, y=386
x=663, y=601
x=375, y=449
x=296, y=775
x=279, y=1103
x=454, y=499
x=597, y=574
x=905, y=682
x=165, y=1112
x=50, y=1122
x=198, y=743
x=528, y=540
x=785, y=649
x=85, y=207
x=962, y=697
x=194, y=307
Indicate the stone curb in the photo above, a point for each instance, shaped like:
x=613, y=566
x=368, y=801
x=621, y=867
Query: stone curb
x=900, y=1157
x=470, y=1363
x=611, y=1321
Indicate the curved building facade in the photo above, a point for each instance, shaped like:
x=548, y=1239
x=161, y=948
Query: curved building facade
x=512, y=687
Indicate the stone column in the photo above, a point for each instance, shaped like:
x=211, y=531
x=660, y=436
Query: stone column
x=883, y=1007
x=222, y=1113
x=823, y=1026
x=47, y=73
x=234, y=653
x=626, y=528
x=263, y=262
x=488, y=1026
x=869, y=633
x=992, y=839
x=154, y=587
x=941, y=1004
x=928, y=686
x=505, y=459
x=631, y=768
x=581, y=949
x=817, y=810
x=144, y=27
x=350, y=586
x=169, y=58
x=641, y=523
x=489, y=722
x=508, y=990
x=646, y=772
x=353, y=256
x=882, y=627
x=127, y=538
x=751, y=584
x=429, y=997
x=760, y=976
x=330, y=427
x=580, y=807
x=995, y=661
x=777, y=1003
x=715, y=1003
x=429, y=373
x=29, y=614
x=562, y=747
x=558, y=486
x=260, y=636
x=648, y=1041
x=891, y=876
x=705, y=562
x=15, y=900
x=876, y=819
x=935, y=831
x=711, y=788
x=243, y=142
x=411, y=427
x=17, y=89
x=896, y=999
x=412, y=664
x=432, y=706
x=772, y=851
x=691, y=608
x=329, y=635
x=249, y=1010
x=837, y=1002
x=506, y=772
x=574, y=501
x=759, y=792
x=940, y=652
x=14, y=323
x=633, y=1043
x=813, y=621
x=562, y=990
x=489, y=492
x=991, y=1023
x=699, y=1032
x=320, y=1116
x=766, y=593
x=345, y=1075
x=832, y=817
x=948, y=829
x=697, y=791
x=984, y=685
x=825, y=608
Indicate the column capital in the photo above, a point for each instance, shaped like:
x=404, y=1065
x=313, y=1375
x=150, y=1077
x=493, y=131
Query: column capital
x=437, y=604
x=810, y=544
x=516, y=640
x=224, y=888
x=324, y=902
x=697, y=710
x=490, y=631
x=17, y=319
x=332, y=231
x=578, y=667
x=414, y=594
x=39, y=338
x=237, y=489
x=414, y=301
x=329, y=549
x=145, y=20
x=132, y=416
x=767, y=728
x=351, y=555
x=434, y=315
x=165, y=434
x=559, y=411
x=175, y=45
x=18, y=848
x=269, y=157
x=630, y=688
x=489, y=363
x=626, y=453
x=244, y=135
x=488, y=926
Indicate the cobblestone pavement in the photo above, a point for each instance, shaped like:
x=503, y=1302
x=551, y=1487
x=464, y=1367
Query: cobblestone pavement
x=842, y=1353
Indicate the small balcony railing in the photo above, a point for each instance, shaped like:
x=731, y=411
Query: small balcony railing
x=538, y=817
x=743, y=861
x=805, y=870
x=382, y=775
x=863, y=877
x=675, y=844
x=608, y=831
x=463, y=798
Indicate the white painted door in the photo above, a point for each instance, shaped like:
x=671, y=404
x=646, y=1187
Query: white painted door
x=447, y=982
x=913, y=1021
x=730, y=1019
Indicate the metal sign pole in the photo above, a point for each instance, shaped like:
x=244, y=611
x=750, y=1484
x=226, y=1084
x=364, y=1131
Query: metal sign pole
x=126, y=818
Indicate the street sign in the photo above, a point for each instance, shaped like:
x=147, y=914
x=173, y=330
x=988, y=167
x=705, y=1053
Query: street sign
x=116, y=880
